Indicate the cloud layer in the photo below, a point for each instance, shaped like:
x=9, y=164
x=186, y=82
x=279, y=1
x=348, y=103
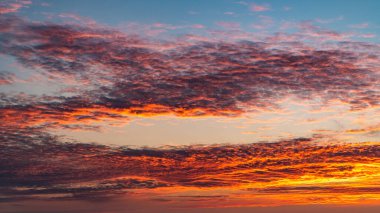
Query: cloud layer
x=35, y=163
x=124, y=74
x=118, y=75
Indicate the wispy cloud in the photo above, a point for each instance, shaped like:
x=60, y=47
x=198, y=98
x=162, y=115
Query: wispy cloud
x=374, y=129
x=13, y=6
x=259, y=7
x=6, y=78
x=229, y=25
x=264, y=22
x=360, y=26
x=229, y=13
x=286, y=8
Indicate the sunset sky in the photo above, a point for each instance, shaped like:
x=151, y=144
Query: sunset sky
x=189, y=106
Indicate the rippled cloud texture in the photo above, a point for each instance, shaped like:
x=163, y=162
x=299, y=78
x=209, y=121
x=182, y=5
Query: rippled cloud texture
x=129, y=75
x=42, y=165
x=107, y=75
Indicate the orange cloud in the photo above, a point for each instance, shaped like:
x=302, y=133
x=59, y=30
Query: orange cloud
x=369, y=130
x=303, y=169
x=299, y=168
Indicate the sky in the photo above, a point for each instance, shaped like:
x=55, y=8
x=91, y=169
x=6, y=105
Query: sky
x=191, y=106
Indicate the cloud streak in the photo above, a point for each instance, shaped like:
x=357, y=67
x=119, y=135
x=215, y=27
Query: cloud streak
x=80, y=170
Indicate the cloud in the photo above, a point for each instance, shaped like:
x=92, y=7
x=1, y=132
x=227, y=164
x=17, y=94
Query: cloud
x=319, y=189
x=259, y=8
x=197, y=26
x=311, y=30
x=229, y=13
x=229, y=25
x=125, y=75
x=370, y=130
x=74, y=18
x=360, y=26
x=329, y=21
x=263, y=23
x=249, y=132
x=66, y=170
x=13, y=6
x=367, y=35
x=6, y=77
